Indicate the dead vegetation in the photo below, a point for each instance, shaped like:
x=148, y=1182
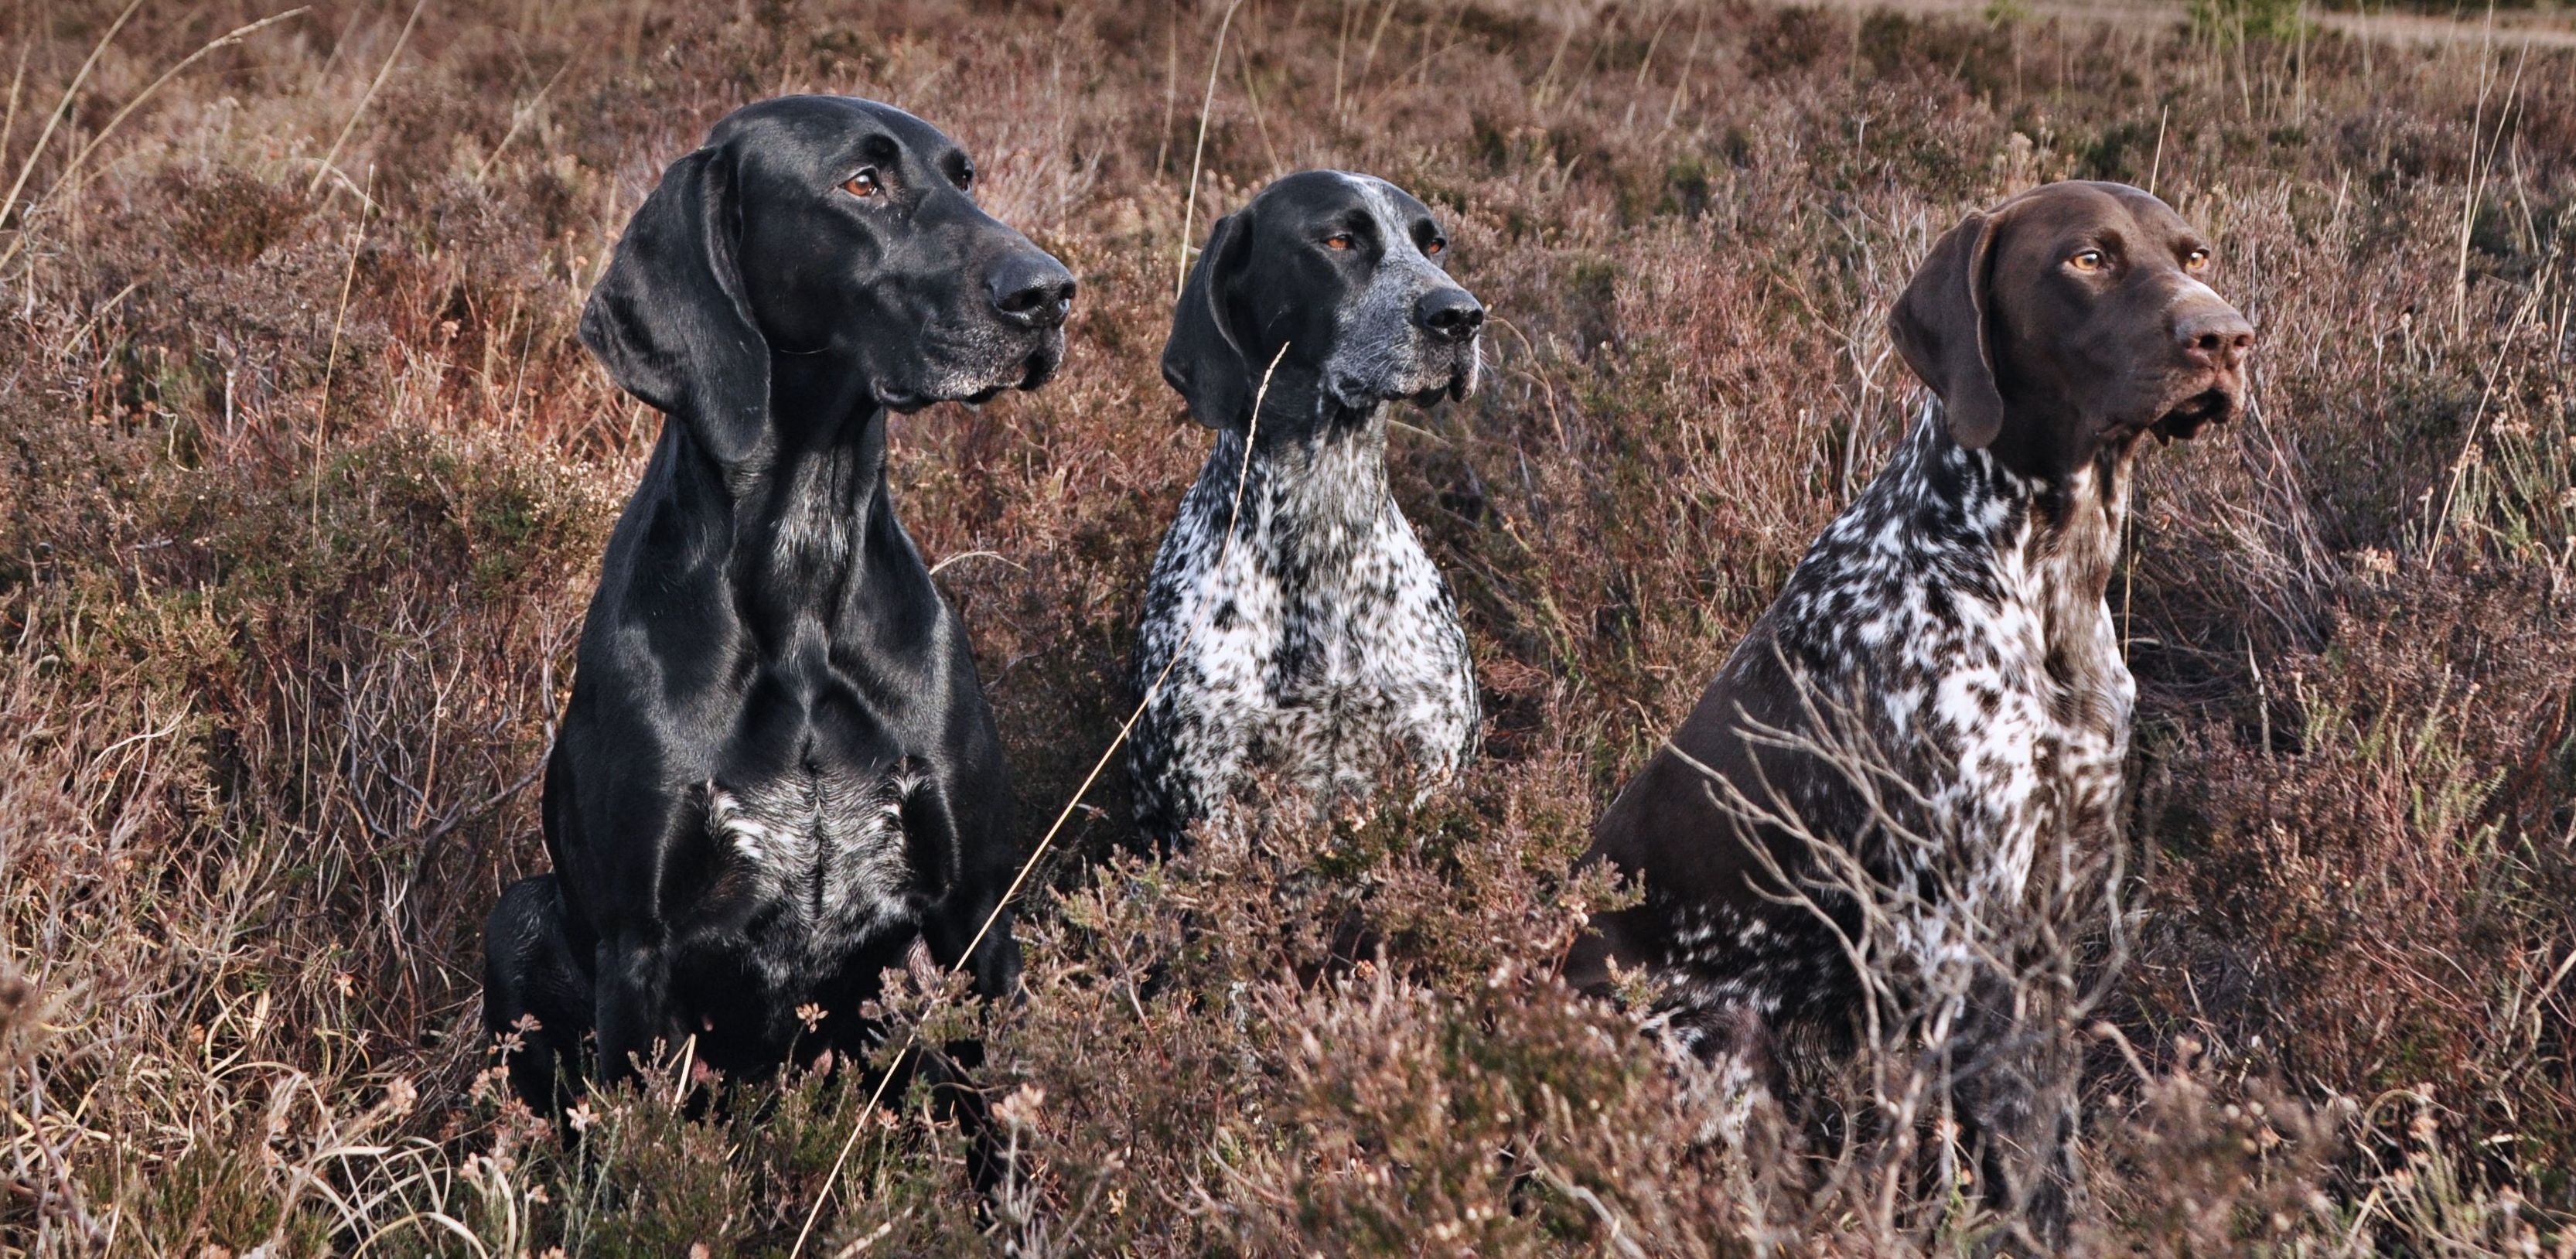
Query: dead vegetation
x=303, y=476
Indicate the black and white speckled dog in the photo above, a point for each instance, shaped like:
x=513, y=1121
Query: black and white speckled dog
x=1953, y=615
x=777, y=775
x=1325, y=647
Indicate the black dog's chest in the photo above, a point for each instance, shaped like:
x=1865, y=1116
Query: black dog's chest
x=812, y=866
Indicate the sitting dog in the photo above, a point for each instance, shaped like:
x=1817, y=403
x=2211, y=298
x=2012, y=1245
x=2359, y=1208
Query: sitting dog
x=777, y=775
x=1320, y=643
x=1953, y=615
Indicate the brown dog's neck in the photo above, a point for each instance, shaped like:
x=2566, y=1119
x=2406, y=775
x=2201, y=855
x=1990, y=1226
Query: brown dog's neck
x=2070, y=521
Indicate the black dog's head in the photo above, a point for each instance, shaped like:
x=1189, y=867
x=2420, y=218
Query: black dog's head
x=1343, y=270
x=2070, y=317
x=822, y=226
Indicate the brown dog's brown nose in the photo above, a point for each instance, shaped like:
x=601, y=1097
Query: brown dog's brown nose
x=2215, y=337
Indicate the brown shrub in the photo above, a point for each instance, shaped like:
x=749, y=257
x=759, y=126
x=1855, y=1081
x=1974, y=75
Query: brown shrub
x=303, y=475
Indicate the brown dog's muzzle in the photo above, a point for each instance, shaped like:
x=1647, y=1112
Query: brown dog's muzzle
x=2214, y=339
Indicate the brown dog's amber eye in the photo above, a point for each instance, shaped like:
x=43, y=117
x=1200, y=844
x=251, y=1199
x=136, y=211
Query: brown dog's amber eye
x=2086, y=260
x=2196, y=260
x=1339, y=240
x=863, y=185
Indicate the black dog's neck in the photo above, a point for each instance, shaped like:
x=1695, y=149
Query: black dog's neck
x=802, y=520
x=1296, y=409
x=826, y=437
x=1300, y=423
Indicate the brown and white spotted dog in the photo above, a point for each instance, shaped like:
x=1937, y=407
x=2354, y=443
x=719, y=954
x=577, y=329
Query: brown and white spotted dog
x=1952, y=620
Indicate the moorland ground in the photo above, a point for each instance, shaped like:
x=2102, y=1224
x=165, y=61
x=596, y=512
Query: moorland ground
x=303, y=477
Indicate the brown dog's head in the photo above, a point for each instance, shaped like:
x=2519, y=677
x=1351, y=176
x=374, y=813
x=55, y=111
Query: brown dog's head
x=2070, y=317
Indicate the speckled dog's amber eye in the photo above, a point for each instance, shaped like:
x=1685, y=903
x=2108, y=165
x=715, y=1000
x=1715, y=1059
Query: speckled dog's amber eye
x=1339, y=240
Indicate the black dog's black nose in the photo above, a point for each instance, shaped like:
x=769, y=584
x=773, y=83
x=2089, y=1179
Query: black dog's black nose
x=1449, y=313
x=2217, y=337
x=1031, y=289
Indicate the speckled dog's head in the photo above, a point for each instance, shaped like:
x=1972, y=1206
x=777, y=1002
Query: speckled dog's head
x=1344, y=271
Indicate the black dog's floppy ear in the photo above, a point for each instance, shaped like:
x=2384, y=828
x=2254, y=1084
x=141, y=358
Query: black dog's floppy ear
x=1940, y=327
x=669, y=319
x=1204, y=359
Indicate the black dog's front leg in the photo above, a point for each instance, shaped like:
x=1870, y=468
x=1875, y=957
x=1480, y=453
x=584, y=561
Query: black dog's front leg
x=635, y=1026
x=994, y=966
x=968, y=924
x=964, y=916
x=536, y=998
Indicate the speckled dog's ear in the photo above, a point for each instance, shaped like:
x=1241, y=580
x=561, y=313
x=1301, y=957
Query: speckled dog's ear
x=1204, y=359
x=1940, y=327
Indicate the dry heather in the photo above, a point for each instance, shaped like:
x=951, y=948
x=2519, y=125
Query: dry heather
x=303, y=476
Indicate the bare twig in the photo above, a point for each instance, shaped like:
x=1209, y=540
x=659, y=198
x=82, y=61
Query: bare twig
x=331, y=359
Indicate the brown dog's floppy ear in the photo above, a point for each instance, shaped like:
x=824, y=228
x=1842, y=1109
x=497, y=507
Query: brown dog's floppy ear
x=1940, y=327
x=1204, y=359
x=669, y=320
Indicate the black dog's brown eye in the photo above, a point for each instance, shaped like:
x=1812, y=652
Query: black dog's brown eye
x=2195, y=260
x=863, y=185
x=965, y=175
x=1339, y=240
x=2086, y=260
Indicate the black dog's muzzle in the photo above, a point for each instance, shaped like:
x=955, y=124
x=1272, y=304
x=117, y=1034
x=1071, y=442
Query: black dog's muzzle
x=1030, y=289
x=1033, y=291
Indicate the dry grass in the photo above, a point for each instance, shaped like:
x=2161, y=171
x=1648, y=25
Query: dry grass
x=303, y=476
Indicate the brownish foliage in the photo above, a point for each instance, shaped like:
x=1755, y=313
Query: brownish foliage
x=303, y=476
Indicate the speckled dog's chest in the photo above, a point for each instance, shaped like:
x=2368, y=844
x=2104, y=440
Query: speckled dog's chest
x=1348, y=670
x=1327, y=675
x=1321, y=646
x=2027, y=743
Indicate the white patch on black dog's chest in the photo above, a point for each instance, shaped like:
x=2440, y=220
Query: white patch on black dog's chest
x=822, y=858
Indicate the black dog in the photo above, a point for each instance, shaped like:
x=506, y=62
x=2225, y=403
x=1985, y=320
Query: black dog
x=777, y=775
x=1325, y=645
